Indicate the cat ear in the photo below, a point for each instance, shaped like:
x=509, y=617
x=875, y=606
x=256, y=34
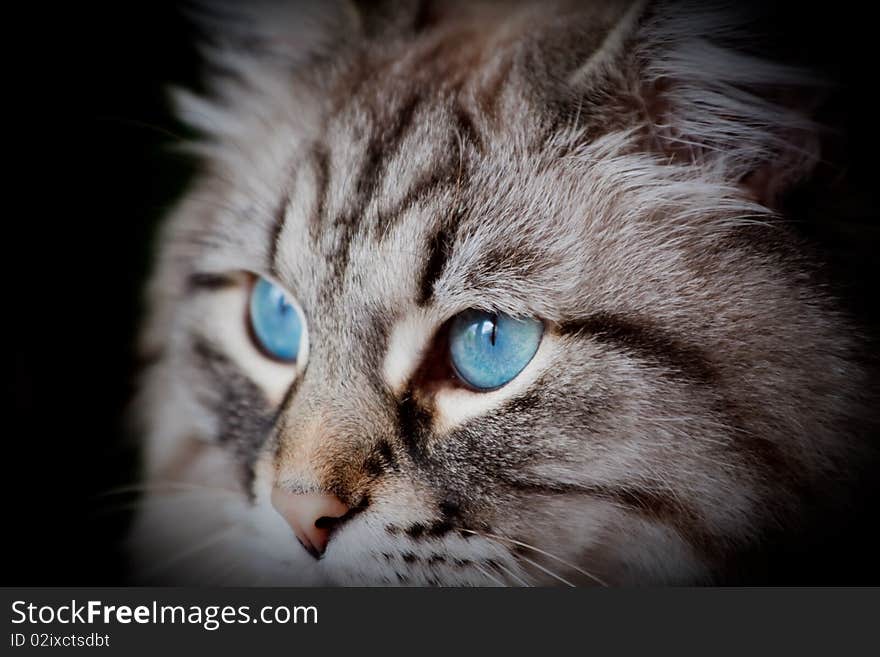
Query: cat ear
x=697, y=97
x=710, y=102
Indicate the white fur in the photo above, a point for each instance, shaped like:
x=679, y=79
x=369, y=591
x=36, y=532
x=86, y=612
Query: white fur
x=406, y=347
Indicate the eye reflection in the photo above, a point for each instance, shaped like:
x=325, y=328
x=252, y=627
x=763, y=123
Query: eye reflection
x=488, y=350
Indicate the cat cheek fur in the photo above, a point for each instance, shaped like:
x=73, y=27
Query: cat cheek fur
x=605, y=167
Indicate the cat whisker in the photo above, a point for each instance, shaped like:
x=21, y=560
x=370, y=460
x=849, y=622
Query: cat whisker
x=545, y=570
x=136, y=123
x=111, y=509
x=527, y=546
x=158, y=498
x=161, y=487
x=211, y=541
x=489, y=575
x=510, y=573
x=152, y=495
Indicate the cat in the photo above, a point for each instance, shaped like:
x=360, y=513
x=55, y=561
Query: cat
x=488, y=294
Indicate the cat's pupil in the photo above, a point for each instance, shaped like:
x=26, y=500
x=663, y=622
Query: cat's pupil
x=488, y=329
x=275, y=322
x=489, y=349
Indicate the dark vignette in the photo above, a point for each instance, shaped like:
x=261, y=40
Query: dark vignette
x=98, y=174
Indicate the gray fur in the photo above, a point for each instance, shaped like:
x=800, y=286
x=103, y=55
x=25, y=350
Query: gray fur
x=590, y=165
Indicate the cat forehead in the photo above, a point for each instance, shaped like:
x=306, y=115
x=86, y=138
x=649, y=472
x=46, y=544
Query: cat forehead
x=368, y=155
x=393, y=181
x=380, y=210
x=427, y=198
x=498, y=58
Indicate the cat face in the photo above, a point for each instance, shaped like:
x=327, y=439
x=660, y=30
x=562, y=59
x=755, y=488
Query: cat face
x=456, y=305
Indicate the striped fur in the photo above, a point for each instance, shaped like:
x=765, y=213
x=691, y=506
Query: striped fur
x=609, y=168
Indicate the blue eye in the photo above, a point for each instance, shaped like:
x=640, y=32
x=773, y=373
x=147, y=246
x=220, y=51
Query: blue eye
x=489, y=349
x=276, y=323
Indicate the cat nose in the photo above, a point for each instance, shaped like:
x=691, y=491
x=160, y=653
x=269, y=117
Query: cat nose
x=311, y=516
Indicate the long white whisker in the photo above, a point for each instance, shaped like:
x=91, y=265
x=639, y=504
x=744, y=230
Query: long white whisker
x=489, y=575
x=539, y=551
x=159, y=499
x=161, y=487
x=513, y=575
x=543, y=569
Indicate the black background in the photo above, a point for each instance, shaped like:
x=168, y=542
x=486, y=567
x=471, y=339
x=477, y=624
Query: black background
x=95, y=173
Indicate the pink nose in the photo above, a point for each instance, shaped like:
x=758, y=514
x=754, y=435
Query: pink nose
x=310, y=515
